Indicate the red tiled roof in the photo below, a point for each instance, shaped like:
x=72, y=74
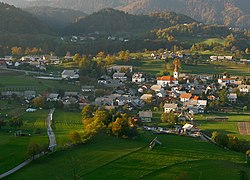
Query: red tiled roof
x=195, y=98
x=186, y=95
x=166, y=78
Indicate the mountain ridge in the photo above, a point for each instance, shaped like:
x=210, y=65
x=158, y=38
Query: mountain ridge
x=227, y=12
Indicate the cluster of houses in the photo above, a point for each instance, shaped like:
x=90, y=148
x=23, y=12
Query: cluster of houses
x=39, y=62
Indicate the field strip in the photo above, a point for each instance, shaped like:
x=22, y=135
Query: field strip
x=168, y=167
x=244, y=128
x=110, y=162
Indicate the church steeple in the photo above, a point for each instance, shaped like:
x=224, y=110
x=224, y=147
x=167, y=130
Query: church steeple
x=176, y=74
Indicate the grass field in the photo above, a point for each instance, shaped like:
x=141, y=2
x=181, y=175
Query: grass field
x=193, y=40
x=217, y=68
x=229, y=127
x=13, y=149
x=111, y=158
x=17, y=80
x=64, y=123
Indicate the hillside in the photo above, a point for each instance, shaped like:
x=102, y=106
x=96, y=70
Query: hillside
x=227, y=12
x=114, y=21
x=56, y=18
x=17, y=21
x=115, y=158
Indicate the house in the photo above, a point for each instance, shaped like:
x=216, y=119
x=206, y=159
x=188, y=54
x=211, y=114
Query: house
x=167, y=80
x=185, y=97
x=226, y=81
x=189, y=128
x=120, y=69
x=70, y=94
x=120, y=76
x=245, y=61
x=122, y=100
x=170, y=107
x=156, y=88
x=138, y=78
x=145, y=116
x=104, y=80
x=53, y=97
x=70, y=74
x=216, y=58
x=146, y=97
x=29, y=94
x=244, y=88
x=232, y=97
x=161, y=94
x=2, y=63
x=8, y=58
x=88, y=88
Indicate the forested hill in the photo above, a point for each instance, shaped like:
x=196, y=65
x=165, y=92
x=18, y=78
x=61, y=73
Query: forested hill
x=14, y=20
x=226, y=12
x=57, y=18
x=114, y=21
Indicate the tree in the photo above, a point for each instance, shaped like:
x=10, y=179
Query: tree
x=75, y=137
x=123, y=126
x=177, y=62
x=248, y=156
x=101, y=55
x=33, y=149
x=38, y=102
x=76, y=57
x=87, y=111
x=15, y=122
x=247, y=51
x=223, y=96
x=16, y=50
x=2, y=123
x=221, y=139
x=170, y=117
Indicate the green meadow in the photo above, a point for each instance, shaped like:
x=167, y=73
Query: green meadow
x=106, y=157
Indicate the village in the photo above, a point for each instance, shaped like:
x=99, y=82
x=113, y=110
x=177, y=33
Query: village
x=131, y=91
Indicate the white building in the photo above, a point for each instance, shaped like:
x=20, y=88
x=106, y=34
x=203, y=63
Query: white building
x=226, y=80
x=167, y=80
x=170, y=107
x=232, y=97
x=138, y=78
x=244, y=88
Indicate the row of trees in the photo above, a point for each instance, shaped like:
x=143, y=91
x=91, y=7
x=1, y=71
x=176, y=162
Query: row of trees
x=15, y=122
x=231, y=142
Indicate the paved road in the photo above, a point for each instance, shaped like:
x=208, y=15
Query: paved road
x=52, y=145
x=52, y=138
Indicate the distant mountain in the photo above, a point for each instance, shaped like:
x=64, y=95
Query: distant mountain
x=227, y=12
x=14, y=20
x=57, y=18
x=115, y=21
